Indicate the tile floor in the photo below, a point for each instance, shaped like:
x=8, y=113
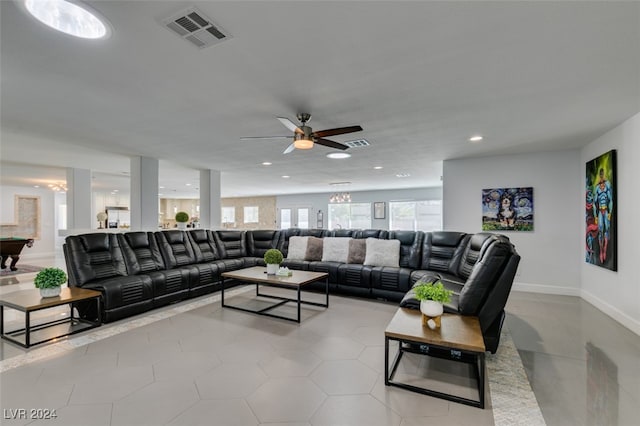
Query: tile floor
x=222, y=367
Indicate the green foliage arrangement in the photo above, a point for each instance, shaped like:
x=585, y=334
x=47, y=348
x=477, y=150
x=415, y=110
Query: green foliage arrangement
x=273, y=257
x=50, y=278
x=432, y=291
x=182, y=217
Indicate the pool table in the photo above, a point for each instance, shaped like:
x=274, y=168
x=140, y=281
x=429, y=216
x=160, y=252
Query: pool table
x=12, y=247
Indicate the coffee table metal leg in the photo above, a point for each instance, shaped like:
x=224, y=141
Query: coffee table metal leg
x=326, y=290
x=222, y=292
x=481, y=374
x=386, y=361
x=27, y=329
x=298, y=304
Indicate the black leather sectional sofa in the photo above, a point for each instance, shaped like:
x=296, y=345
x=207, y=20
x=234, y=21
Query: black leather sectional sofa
x=138, y=271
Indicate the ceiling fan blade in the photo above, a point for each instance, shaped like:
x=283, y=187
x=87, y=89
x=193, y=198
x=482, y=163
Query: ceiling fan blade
x=336, y=131
x=246, y=138
x=330, y=144
x=290, y=125
x=289, y=148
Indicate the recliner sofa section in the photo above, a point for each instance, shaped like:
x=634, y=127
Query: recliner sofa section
x=95, y=261
x=480, y=272
x=137, y=271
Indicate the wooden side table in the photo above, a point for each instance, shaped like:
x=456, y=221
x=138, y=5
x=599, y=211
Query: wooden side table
x=458, y=339
x=29, y=301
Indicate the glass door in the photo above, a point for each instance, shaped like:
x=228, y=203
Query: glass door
x=295, y=217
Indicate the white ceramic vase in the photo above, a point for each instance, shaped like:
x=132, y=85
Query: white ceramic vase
x=50, y=292
x=272, y=268
x=182, y=225
x=431, y=308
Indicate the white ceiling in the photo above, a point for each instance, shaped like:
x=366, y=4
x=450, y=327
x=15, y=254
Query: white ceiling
x=419, y=77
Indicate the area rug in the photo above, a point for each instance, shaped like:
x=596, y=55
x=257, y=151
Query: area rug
x=512, y=400
x=22, y=269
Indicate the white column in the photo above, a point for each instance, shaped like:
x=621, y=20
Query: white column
x=210, y=205
x=144, y=194
x=79, y=209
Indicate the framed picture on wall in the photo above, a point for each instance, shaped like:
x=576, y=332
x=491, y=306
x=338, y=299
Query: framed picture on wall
x=601, y=233
x=379, y=210
x=507, y=209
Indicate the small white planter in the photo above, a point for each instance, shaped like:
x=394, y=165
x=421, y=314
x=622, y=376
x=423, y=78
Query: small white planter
x=272, y=268
x=50, y=292
x=431, y=308
x=182, y=225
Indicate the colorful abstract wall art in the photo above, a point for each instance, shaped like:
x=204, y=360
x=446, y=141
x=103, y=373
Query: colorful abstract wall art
x=507, y=209
x=601, y=237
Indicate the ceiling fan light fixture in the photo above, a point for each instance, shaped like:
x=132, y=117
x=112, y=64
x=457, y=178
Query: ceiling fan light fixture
x=301, y=142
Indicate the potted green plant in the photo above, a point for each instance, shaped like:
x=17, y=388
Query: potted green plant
x=181, y=219
x=273, y=258
x=49, y=281
x=432, y=297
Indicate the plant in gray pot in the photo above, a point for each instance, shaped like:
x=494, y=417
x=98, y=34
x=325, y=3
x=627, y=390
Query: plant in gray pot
x=181, y=219
x=273, y=258
x=49, y=281
x=432, y=297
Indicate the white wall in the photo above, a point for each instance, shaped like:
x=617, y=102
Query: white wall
x=45, y=245
x=618, y=293
x=551, y=253
x=320, y=201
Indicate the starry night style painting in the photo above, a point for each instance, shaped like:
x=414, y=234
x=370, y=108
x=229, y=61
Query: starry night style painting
x=601, y=235
x=507, y=209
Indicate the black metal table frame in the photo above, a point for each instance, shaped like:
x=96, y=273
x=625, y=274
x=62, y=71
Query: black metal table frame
x=28, y=328
x=282, y=300
x=469, y=357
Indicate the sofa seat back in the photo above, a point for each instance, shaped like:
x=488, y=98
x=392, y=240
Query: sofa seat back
x=231, y=244
x=442, y=251
x=410, y=247
x=142, y=256
x=204, y=245
x=258, y=242
x=92, y=257
x=371, y=233
x=473, y=251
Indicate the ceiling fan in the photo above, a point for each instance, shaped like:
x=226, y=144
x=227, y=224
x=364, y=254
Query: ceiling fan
x=304, y=137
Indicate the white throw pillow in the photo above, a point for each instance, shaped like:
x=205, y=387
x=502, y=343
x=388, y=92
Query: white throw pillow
x=335, y=249
x=297, y=248
x=382, y=252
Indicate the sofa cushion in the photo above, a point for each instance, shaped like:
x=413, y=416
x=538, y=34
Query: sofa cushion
x=357, y=251
x=335, y=249
x=382, y=252
x=297, y=248
x=314, y=249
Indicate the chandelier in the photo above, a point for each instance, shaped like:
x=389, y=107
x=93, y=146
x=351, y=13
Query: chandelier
x=58, y=187
x=340, y=197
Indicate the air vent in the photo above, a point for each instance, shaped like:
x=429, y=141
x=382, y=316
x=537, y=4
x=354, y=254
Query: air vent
x=357, y=143
x=197, y=28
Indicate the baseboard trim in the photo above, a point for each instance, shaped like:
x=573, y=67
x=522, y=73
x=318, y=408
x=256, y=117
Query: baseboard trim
x=546, y=289
x=612, y=311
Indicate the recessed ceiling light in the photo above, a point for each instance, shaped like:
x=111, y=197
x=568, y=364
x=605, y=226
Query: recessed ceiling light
x=116, y=190
x=286, y=176
x=340, y=183
x=403, y=175
x=378, y=167
x=36, y=186
x=338, y=155
x=161, y=187
x=187, y=184
x=266, y=163
x=476, y=138
x=74, y=19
